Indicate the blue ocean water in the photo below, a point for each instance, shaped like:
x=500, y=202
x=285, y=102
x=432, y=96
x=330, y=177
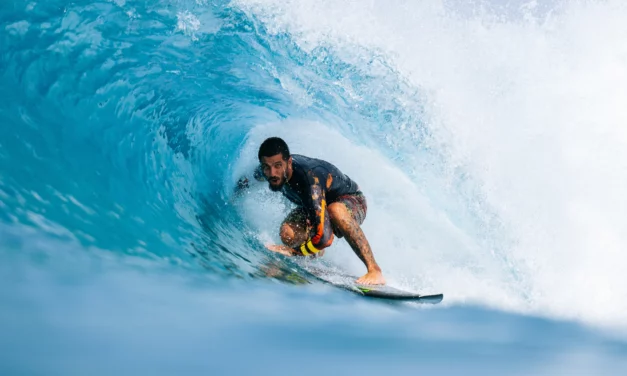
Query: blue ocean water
x=487, y=137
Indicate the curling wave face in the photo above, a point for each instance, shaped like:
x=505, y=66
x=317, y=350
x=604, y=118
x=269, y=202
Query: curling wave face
x=488, y=143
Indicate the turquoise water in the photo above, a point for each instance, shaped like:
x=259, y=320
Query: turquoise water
x=487, y=137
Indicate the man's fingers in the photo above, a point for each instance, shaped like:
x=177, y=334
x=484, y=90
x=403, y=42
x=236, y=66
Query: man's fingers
x=280, y=249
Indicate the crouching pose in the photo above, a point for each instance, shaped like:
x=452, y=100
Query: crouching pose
x=330, y=205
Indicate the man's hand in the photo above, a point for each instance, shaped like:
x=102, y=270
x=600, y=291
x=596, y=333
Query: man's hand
x=373, y=277
x=287, y=251
x=282, y=249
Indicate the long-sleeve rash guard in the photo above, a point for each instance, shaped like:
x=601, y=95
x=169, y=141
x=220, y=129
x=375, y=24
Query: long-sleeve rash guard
x=314, y=184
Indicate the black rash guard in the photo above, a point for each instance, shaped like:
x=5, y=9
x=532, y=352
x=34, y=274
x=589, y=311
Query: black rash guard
x=315, y=184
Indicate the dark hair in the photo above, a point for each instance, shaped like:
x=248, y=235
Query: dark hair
x=273, y=146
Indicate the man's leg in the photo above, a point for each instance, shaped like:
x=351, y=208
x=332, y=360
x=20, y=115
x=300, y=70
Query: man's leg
x=345, y=219
x=294, y=228
x=294, y=232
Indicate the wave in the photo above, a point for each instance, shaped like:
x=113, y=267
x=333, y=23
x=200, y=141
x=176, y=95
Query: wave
x=513, y=136
x=489, y=143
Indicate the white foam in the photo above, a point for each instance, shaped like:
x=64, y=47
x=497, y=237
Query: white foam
x=531, y=107
x=416, y=245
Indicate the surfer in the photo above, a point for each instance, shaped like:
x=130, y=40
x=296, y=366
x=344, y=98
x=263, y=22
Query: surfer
x=330, y=205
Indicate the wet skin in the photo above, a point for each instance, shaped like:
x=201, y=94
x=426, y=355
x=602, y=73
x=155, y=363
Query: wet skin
x=279, y=171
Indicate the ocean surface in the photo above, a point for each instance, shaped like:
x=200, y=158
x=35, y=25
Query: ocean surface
x=489, y=138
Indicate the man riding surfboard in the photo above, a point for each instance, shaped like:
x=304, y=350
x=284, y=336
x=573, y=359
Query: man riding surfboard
x=330, y=205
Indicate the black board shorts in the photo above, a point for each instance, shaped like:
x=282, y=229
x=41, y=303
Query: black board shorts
x=355, y=203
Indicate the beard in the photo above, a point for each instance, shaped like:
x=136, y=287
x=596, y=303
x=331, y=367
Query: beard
x=277, y=188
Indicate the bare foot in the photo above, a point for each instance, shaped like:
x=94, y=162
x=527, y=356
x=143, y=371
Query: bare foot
x=374, y=277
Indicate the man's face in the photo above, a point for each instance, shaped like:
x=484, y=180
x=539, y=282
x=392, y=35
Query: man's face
x=275, y=169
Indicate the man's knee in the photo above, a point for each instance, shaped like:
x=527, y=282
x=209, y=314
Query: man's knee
x=291, y=234
x=287, y=233
x=338, y=213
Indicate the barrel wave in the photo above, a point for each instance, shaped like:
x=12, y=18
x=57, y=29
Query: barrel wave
x=487, y=137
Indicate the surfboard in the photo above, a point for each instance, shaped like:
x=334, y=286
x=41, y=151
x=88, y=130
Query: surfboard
x=388, y=292
x=347, y=282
